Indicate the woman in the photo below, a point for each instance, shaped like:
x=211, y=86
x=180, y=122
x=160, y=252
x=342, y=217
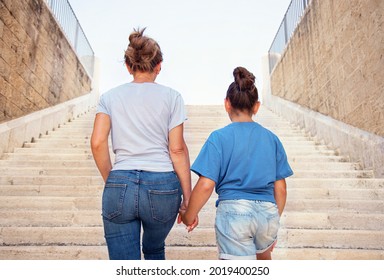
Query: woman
x=143, y=187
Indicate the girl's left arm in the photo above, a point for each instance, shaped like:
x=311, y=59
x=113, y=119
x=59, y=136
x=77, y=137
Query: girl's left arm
x=199, y=197
x=99, y=144
x=280, y=192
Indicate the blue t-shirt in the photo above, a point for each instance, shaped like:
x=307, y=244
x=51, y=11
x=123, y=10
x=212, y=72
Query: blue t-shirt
x=244, y=159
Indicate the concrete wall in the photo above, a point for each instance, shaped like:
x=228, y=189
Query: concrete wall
x=334, y=63
x=38, y=67
x=329, y=80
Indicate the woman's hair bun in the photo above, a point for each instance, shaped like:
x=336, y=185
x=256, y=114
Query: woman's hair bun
x=143, y=53
x=244, y=79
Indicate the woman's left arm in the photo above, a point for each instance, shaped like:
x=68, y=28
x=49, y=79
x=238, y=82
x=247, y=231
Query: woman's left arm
x=179, y=155
x=99, y=144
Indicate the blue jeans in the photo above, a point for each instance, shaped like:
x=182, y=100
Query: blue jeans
x=134, y=199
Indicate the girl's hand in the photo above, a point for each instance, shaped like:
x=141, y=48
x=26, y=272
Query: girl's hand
x=193, y=225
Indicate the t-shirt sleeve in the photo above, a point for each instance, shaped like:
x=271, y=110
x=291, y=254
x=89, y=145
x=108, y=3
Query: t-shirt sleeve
x=283, y=169
x=207, y=163
x=102, y=107
x=178, y=114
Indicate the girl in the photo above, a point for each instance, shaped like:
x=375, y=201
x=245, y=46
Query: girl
x=248, y=165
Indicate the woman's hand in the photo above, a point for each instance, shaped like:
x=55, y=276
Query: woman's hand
x=180, y=219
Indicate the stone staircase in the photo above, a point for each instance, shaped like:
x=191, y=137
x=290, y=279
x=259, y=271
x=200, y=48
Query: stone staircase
x=50, y=198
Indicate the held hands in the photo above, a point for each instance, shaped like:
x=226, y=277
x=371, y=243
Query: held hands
x=183, y=217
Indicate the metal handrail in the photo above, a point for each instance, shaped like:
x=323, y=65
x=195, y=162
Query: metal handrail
x=69, y=23
x=288, y=25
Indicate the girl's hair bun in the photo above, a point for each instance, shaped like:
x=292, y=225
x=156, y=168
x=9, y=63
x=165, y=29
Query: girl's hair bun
x=242, y=93
x=244, y=79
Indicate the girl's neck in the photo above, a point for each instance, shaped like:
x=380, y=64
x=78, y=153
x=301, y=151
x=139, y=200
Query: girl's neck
x=238, y=116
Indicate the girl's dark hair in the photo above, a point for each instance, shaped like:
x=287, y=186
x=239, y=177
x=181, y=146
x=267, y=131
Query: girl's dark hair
x=242, y=93
x=143, y=53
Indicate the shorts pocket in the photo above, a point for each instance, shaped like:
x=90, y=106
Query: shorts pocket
x=239, y=226
x=273, y=218
x=164, y=204
x=113, y=200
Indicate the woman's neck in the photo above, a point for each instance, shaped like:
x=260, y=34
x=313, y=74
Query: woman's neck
x=144, y=77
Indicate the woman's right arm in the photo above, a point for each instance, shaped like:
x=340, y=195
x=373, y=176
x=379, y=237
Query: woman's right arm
x=99, y=144
x=179, y=154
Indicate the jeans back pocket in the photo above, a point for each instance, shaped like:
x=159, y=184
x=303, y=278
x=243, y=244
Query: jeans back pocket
x=164, y=204
x=113, y=200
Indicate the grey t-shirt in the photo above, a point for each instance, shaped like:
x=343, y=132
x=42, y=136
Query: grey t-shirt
x=142, y=114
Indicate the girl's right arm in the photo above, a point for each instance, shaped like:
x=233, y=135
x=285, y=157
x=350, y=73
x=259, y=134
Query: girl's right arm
x=280, y=192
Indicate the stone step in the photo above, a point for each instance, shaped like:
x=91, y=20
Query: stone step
x=180, y=253
x=291, y=182
x=49, y=171
x=287, y=238
x=291, y=238
x=332, y=220
x=294, y=193
x=192, y=143
x=210, y=253
x=309, y=162
x=347, y=183
x=49, y=203
x=52, y=190
x=66, y=137
x=320, y=205
x=54, y=151
x=52, y=180
x=45, y=236
x=206, y=131
x=289, y=220
x=89, y=163
x=89, y=203
x=191, y=135
x=193, y=149
x=290, y=149
x=57, y=218
x=296, y=165
x=23, y=156
x=64, y=143
x=290, y=152
x=91, y=171
x=66, y=252
x=333, y=174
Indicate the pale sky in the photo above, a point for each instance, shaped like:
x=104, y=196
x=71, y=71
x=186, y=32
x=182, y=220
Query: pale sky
x=202, y=40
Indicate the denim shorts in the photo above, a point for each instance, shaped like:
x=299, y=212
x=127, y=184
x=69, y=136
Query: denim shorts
x=245, y=228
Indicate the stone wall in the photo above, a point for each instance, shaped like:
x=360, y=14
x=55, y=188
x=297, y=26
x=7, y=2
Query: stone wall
x=38, y=67
x=334, y=63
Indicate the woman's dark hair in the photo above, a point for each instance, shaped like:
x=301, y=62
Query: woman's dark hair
x=242, y=93
x=143, y=53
